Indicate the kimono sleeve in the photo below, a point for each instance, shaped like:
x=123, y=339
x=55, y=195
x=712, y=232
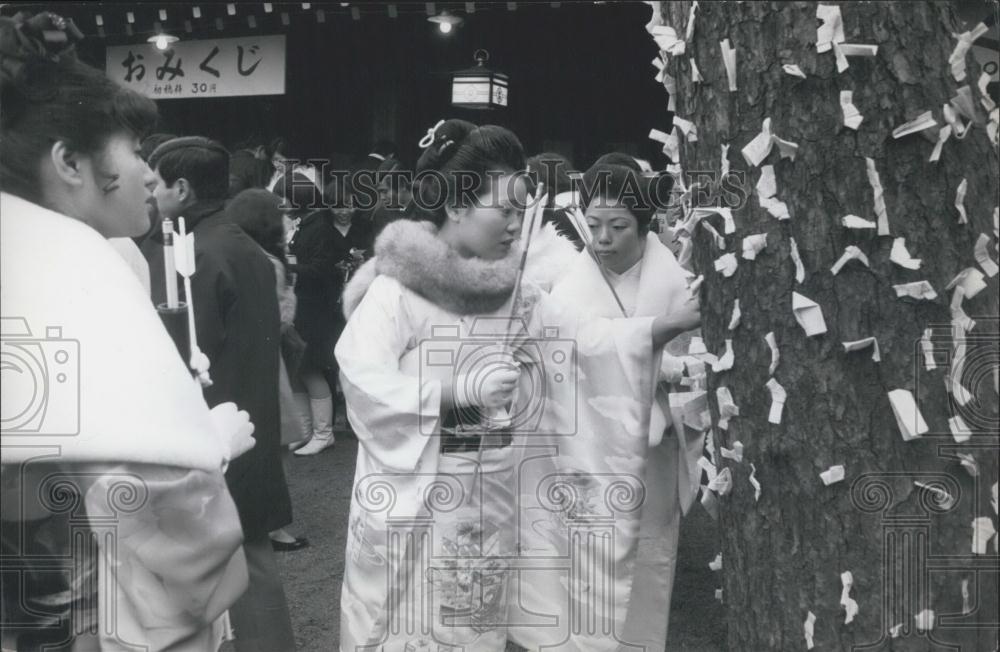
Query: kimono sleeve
x=176, y=558
x=393, y=413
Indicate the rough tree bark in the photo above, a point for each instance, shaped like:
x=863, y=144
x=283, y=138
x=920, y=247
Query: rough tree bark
x=783, y=554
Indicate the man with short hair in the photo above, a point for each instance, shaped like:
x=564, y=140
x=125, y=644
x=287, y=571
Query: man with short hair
x=238, y=328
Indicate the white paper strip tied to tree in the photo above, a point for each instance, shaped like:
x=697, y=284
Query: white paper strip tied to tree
x=911, y=423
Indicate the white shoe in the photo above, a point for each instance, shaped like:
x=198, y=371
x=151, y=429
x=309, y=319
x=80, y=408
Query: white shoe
x=321, y=410
x=315, y=446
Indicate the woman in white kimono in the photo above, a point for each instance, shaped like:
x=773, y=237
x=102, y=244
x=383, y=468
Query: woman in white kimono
x=118, y=530
x=646, y=280
x=440, y=380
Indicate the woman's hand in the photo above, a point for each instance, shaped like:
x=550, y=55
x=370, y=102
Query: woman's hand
x=234, y=428
x=671, y=324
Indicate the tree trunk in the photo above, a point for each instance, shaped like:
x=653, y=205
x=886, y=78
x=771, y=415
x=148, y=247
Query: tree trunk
x=783, y=554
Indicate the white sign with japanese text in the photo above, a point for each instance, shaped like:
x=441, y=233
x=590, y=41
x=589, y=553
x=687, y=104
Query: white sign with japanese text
x=225, y=67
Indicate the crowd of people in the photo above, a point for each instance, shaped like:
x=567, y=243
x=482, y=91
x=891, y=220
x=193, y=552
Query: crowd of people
x=508, y=354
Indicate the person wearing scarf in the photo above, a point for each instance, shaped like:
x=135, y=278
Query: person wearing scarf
x=450, y=371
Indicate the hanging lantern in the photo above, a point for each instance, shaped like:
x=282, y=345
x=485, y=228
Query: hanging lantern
x=479, y=87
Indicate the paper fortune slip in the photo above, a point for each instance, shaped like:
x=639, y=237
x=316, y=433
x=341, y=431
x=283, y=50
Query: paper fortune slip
x=775, y=354
x=687, y=128
x=857, y=345
x=927, y=347
x=719, y=241
x=982, y=532
x=716, y=564
x=965, y=41
x=925, y=620
x=727, y=410
x=734, y=320
x=809, y=315
x=915, y=290
x=879, y=196
x=830, y=29
x=911, y=423
x=923, y=121
x=855, y=222
x=778, y=396
x=800, y=270
x=793, y=70
x=753, y=245
x=852, y=117
x=727, y=264
x=901, y=256
x=850, y=606
x=729, y=61
x=735, y=453
x=960, y=201
x=982, y=254
x=944, y=133
x=959, y=430
x=832, y=475
x=808, y=629
x=754, y=482
x=850, y=253
x=970, y=280
x=762, y=144
x=725, y=362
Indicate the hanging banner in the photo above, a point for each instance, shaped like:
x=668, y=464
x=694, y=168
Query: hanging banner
x=225, y=67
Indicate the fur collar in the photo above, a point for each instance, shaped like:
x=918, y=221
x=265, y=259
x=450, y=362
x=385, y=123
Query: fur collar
x=412, y=253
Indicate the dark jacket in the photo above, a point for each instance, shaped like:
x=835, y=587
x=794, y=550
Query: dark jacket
x=238, y=327
x=317, y=286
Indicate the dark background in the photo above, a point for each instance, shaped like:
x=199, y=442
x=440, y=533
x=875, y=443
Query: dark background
x=581, y=81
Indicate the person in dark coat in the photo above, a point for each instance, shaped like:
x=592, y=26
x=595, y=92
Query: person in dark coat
x=238, y=329
x=314, y=259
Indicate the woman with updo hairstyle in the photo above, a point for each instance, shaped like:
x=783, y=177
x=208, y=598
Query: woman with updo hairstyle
x=117, y=469
x=635, y=274
x=451, y=362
